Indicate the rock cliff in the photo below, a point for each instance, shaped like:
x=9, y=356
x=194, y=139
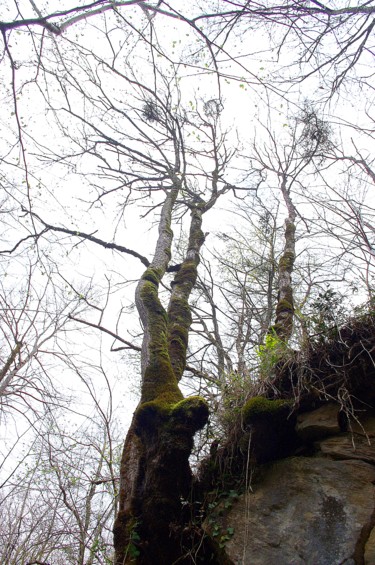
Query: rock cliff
x=295, y=486
x=315, y=509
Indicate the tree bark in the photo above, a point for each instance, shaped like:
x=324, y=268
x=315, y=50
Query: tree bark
x=283, y=325
x=155, y=472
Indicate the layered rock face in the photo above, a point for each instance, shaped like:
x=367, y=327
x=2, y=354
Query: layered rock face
x=314, y=508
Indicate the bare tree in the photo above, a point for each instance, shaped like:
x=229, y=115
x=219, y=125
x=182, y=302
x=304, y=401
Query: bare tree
x=235, y=297
x=166, y=166
x=34, y=321
x=309, y=141
x=60, y=508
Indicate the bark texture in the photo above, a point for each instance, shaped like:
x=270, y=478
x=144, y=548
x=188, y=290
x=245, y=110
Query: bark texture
x=155, y=471
x=283, y=326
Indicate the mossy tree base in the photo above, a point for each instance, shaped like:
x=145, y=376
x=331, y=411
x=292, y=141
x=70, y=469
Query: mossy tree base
x=149, y=528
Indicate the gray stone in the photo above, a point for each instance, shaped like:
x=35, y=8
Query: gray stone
x=319, y=423
x=304, y=511
x=370, y=549
x=349, y=446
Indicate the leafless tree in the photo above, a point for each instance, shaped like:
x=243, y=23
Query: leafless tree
x=60, y=504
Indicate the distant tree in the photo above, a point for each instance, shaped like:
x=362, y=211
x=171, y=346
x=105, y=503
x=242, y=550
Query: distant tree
x=59, y=507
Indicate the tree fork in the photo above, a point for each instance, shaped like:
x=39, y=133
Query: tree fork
x=155, y=471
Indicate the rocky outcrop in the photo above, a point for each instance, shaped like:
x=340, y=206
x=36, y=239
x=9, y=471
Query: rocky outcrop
x=298, y=469
x=314, y=508
x=319, y=423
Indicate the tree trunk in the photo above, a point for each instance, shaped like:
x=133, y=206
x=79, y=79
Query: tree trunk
x=283, y=325
x=155, y=472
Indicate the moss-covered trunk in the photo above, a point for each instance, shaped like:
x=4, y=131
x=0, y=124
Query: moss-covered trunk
x=155, y=470
x=283, y=325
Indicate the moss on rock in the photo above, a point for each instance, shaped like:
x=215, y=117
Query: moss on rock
x=272, y=428
x=261, y=408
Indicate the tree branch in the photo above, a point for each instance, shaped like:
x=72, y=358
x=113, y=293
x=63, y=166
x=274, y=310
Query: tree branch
x=104, y=330
x=90, y=237
x=80, y=13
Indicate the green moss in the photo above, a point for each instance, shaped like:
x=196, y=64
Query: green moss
x=187, y=274
x=290, y=230
x=258, y=408
x=168, y=230
x=284, y=306
x=199, y=237
x=150, y=414
x=179, y=323
x=159, y=379
x=179, y=317
x=168, y=253
x=179, y=312
x=149, y=295
x=192, y=411
x=279, y=329
x=153, y=275
x=160, y=385
x=287, y=261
